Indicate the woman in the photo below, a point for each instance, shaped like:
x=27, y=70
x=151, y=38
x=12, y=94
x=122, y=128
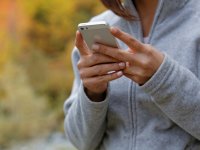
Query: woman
x=152, y=101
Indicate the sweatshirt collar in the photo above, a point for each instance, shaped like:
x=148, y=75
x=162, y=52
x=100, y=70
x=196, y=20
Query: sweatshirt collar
x=165, y=7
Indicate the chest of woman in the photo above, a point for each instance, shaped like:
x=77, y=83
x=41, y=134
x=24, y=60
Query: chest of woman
x=131, y=111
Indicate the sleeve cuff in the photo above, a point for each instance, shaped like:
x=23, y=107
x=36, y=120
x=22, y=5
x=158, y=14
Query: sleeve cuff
x=160, y=77
x=88, y=103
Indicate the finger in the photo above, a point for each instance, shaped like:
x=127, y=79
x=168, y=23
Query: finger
x=113, y=52
x=103, y=79
x=109, y=77
x=95, y=59
x=134, y=71
x=80, y=44
x=102, y=69
x=127, y=39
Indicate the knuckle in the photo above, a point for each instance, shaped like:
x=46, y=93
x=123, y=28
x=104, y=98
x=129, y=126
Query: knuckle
x=79, y=64
x=100, y=70
x=101, y=79
x=107, y=78
x=149, y=50
x=88, y=83
x=118, y=54
x=148, y=46
x=148, y=64
x=110, y=77
x=82, y=62
x=113, y=76
x=82, y=73
x=89, y=59
x=130, y=39
x=94, y=58
x=144, y=62
x=90, y=56
x=118, y=32
x=136, y=44
x=103, y=49
x=85, y=82
x=116, y=66
x=132, y=73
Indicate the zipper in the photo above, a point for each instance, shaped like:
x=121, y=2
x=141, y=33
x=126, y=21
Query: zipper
x=132, y=100
x=139, y=35
x=130, y=115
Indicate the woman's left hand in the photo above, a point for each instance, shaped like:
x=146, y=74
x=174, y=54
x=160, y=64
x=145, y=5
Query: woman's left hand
x=142, y=60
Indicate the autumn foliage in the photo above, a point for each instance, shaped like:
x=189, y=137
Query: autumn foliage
x=36, y=39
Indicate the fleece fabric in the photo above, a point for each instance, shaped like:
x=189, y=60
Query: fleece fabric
x=164, y=113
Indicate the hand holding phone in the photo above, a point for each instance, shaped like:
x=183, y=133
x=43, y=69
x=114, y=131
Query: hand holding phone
x=96, y=70
x=97, y=32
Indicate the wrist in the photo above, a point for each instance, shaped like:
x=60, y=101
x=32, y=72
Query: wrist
x=95, y=97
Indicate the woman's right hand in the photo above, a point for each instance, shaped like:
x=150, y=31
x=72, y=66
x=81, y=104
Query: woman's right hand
x=94, y=70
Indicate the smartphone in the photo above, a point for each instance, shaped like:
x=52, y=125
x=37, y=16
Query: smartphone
x=97, y=32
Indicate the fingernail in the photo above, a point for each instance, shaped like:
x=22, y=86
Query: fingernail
x=95, y=47
x=120, y=73
x=121, y=64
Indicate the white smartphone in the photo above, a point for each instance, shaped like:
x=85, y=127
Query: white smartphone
x=97, y=32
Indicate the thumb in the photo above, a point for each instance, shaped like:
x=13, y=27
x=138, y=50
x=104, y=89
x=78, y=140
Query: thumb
x=81, y=45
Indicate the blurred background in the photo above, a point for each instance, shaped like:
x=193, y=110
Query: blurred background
x=36, y=40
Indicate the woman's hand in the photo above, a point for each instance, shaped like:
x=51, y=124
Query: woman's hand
x=142, y=60
x=94, y=70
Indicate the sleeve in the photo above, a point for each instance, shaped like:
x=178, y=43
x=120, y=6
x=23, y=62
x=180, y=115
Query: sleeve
x=84, y=120
x=176, y=91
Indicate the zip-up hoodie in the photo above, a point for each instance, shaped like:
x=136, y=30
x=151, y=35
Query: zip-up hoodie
x=164, y=113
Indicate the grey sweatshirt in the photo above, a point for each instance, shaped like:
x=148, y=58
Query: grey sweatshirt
x=164, y=113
